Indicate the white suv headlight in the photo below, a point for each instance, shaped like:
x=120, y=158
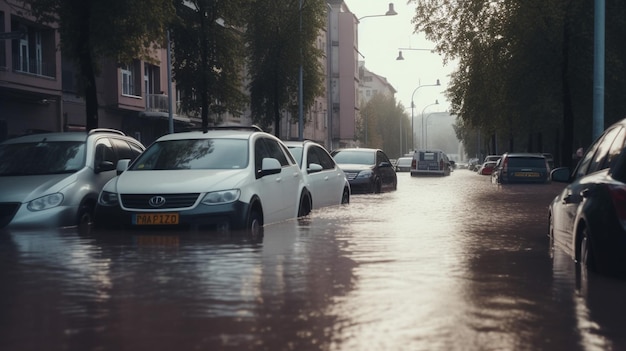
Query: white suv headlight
x=221, y=197
x=45, y=202
x=108, y=198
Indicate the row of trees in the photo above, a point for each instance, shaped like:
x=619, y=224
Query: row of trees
x=525, y=75
x=217, y=46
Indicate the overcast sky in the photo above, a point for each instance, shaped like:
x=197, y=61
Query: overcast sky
x=379, y=41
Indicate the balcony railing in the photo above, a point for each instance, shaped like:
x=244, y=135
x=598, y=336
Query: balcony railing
x=158, y=103
x=41, y=69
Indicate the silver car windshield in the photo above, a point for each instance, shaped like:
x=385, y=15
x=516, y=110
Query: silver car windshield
x=41, y=158
x=194, y=154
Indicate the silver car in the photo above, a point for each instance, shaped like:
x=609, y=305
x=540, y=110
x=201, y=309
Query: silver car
x=53, y=179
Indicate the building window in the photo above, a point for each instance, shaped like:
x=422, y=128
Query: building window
x=130, y=75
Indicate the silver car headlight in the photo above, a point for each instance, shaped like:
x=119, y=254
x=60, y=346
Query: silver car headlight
x=108, y=198
x=45, y=202
x=365, y=174
x=221, y=197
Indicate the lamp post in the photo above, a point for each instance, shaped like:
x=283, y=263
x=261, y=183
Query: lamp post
x=413, y=107
x=422, y=120
x=390, y=12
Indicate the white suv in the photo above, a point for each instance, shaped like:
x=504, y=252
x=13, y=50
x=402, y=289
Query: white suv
x=226, y=178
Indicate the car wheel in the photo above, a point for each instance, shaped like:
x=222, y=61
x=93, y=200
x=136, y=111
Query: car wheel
x=378, y=186
x=85, y=215
x=255, y=224
x=345, y=197
x=305, y=205
x=586, y=253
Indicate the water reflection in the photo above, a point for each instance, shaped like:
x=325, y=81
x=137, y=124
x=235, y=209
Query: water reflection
x=435, y=265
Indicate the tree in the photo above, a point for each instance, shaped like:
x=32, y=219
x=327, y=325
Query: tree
x=386, y=123
x=209, y=56
x=281, y=37
x=524, y=78
x=121, y=30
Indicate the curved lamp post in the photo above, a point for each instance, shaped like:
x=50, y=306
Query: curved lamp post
x=422, y=120
x=413, y=107
x=400, y=57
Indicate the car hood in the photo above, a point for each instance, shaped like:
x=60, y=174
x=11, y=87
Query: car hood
x=177, y=181
x=347, y=167
x=29, y=187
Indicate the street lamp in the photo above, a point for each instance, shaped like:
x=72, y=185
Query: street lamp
x=400, y=57
x=412, y=108
x=422, y=120
x=390, y=12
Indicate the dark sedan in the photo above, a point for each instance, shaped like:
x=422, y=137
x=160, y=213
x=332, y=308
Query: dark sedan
x=367, y=170
x=588, y=218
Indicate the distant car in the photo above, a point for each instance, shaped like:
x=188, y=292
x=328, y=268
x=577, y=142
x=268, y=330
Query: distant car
x=588, y=218
x=326, y=182
x=487, y=168
x=368, y=170
x=53, y=179
x=521, y=168
x=403, y=164
x=223, y=179
x=430, y=162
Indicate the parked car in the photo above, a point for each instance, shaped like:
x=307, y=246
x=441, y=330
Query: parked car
x=222, y=179
x=430, y=162
x=487, y=168
x=403, y=164
x=326, y=182
x=53, y=179
x=367, y=170
x=588, y=218
x=521, y=168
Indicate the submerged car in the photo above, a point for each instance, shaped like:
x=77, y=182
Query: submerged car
x=326, y=182
x=588, y=218
x=368, y=170
x=430, y=162
x=53, y=179
x=403, y=164
x=222, y=179
x=521, y=168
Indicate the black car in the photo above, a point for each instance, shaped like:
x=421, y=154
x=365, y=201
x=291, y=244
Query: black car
x=588, y=218
x=367, y=170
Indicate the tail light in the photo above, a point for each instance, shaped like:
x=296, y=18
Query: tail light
x=505, y=166
x=441, y=165
x=618, y=197
x=414, y=164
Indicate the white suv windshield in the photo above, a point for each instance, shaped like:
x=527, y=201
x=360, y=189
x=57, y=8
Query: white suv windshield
x=43, y=157
x=194, y=154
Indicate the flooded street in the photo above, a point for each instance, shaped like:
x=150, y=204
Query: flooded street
x=453, y=263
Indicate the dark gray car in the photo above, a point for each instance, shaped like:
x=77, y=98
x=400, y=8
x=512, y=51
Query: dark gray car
x=521, y=168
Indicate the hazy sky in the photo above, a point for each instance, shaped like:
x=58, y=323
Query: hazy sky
x=379, y=41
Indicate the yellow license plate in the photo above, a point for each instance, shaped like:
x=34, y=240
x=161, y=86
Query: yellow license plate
x=157, y=240
x=526, y=174
x=155, y=218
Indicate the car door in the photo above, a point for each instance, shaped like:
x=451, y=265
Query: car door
x=566, y=205
x=326, y=185
x=388, y=175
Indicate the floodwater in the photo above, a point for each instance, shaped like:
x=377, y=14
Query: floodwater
x=453, y=263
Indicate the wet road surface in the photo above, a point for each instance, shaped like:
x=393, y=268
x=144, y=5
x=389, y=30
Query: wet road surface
x=453, y=263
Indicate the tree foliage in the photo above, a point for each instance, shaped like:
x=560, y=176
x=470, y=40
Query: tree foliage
x=384, y=124
x=281, y=37
x=121, y=30
x=209, y=56
x=524, y=81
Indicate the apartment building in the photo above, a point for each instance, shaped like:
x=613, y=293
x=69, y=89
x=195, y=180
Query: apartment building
x=371, y=84
x=39, y=90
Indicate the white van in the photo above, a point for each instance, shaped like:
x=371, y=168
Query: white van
x=430, y=162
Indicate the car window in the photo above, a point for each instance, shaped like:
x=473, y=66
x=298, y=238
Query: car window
x=616, y=148
x=288, y=153
x=531, y=162
x=321, y=157
x=275, y=151
x=194, y=154
x=296, y=151
x=260, y=152
x=104, y=152
x=42, y=158
x=354, y=157
x=428, y=156
x=597, y=162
